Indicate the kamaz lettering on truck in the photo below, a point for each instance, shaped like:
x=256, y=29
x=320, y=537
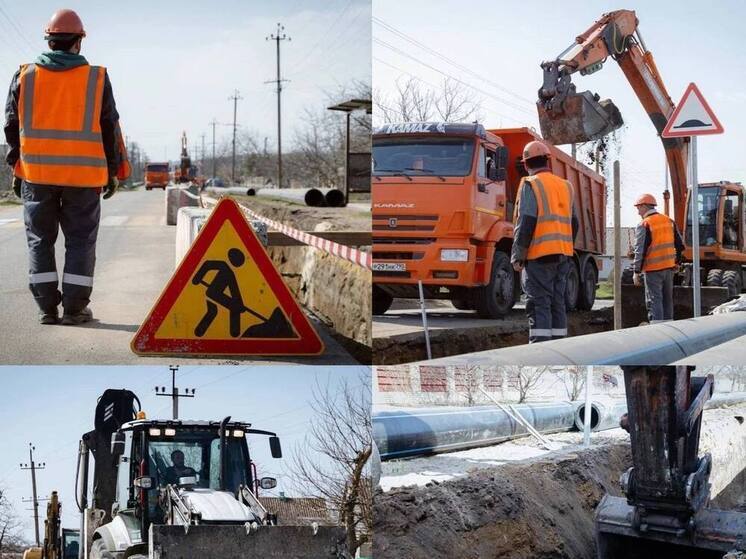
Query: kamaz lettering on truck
x=443, y=199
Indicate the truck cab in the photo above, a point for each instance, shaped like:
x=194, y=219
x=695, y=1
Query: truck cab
x=156, y=175
x=443, y=200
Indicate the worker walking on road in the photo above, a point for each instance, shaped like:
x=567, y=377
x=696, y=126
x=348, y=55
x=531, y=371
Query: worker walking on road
x=65, y=147
x=658, y=251
x=543, y=240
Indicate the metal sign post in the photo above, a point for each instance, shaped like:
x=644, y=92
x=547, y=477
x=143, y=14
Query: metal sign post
x=693, y=117
x=588, y=412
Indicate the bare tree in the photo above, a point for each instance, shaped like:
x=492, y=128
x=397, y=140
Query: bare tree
x=526, y=379
x=10, y=524
x=414, y=101
x=468, y=383
x=341, y=433
x=573, y=379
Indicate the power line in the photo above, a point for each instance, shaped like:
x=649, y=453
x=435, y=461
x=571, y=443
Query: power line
x=174, y=394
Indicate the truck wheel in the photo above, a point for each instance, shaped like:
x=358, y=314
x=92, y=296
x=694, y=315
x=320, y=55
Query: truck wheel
x=461, y=304
x=495, y=299
x=99, y=550
x=587, y=293
x=573, y=287
x=381, y=301
x=733, y=281
x=714, y=278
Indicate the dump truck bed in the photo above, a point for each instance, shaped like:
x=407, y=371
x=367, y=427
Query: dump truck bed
x=590, y=187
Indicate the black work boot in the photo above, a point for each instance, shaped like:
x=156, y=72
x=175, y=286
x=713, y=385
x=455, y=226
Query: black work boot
x=79, y=317
x=49, y=317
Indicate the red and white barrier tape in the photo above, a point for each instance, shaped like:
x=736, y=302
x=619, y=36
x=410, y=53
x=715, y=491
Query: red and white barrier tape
x=354, y=255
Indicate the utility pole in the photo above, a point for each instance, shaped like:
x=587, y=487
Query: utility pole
x=174, y=394
x=235, y=97
x=214, y=123
x=277, y=37
x=33, y=467
x=202, y=157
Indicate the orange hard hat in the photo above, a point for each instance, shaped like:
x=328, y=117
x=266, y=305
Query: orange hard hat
x=64, y=22
x=535, y=148
x=646, y=199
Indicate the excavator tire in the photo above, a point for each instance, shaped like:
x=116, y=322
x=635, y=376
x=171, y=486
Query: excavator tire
x=587, y=292
x=462, y=304
x=138, y=556
x=573, y=287
x=732, y=280
x=714, y=278
x=99, y=551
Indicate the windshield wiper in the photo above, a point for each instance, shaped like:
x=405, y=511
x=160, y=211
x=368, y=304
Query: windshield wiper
x=428, y=171
x=392, y=171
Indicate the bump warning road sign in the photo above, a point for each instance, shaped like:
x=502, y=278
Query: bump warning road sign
x=226, y=298
x=692, y=117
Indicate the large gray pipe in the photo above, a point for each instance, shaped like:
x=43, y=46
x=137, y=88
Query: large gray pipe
x=315, y=198
x=655, y=344
x=411, y=432
x=605, y=414
x=335, y=198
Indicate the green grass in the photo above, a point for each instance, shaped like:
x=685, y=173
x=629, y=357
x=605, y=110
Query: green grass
x=605, y=290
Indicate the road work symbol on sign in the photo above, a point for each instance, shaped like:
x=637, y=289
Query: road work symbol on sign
x=226, y=298
x=692, y=117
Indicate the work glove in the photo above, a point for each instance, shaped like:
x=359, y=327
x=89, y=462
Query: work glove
x=111, y=187
x=17, y=183
x=518, y=265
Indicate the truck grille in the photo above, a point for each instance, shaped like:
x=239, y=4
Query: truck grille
x=393, y=222
x=401, y=255
x=392, y=274
x=403, y=240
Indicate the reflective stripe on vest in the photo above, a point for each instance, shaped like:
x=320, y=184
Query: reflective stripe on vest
x=553, y=232
x=661, y=254
x=60, y=130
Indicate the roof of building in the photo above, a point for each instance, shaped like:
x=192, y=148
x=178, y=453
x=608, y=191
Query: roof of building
x=298, y=510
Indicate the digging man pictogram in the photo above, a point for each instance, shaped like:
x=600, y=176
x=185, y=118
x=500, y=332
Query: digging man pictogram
x=224, y=291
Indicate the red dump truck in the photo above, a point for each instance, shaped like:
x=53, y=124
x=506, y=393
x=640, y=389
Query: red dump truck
x=443, y=198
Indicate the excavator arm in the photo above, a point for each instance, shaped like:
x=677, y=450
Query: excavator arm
x=569, y=117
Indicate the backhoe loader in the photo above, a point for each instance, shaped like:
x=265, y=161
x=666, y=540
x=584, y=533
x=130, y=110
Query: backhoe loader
x=568, y=117
x=665, y=512
x=177, y=489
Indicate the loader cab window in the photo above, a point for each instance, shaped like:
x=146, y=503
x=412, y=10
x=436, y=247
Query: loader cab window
x=70, y=544
x=418, y=156
x=124, y=473
x=731, y=220
x=709, y=199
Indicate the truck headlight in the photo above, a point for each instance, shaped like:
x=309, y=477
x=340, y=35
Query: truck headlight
x=454, y=255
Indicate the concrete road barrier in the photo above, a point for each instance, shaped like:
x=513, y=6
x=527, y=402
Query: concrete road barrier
x=179, y=197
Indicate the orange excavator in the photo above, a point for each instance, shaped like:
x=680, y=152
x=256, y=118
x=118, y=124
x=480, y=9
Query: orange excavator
x=569, y=117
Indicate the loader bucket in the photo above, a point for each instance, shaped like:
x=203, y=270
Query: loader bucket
x=711, y=534
x=206, y=541
x=579, y=118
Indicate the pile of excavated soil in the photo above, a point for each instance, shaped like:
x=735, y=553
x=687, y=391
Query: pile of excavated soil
x=337, y=291
x=539, y=510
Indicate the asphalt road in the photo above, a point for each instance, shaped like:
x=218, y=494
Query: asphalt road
x=135, y=259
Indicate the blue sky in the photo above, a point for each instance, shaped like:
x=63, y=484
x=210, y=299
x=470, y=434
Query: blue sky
x=53, y=406
x=505, y=42
x=173, y=64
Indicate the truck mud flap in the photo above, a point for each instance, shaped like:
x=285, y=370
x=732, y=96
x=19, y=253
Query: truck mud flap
x=206, y=541
x=580, y=118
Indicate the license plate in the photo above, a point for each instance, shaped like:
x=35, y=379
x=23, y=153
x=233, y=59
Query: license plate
x=389, y=267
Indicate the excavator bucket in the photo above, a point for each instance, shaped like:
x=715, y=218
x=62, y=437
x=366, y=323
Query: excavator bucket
x=580, y=117
x=206, y=541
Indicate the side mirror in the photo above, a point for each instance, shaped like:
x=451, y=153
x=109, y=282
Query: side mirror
x=492, y=172
x=268, y=483
x=274, y=447
x=117, y=443
x=501, y=161
x=144, y=482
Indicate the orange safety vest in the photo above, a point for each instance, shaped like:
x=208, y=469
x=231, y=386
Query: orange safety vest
x=59, y=113
x=661, y=254
x=554, y=201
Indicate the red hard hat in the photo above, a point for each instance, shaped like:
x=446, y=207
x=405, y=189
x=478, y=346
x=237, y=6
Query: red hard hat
x=64, y=22
x=646, y=199
x=535, y=148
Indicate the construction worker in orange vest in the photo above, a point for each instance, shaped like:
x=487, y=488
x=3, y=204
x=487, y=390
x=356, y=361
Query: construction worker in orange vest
x=543, y=240
x=658, y=251
x=65, y=148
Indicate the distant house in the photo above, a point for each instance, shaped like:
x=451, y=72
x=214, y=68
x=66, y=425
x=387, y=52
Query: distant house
x=628, y=241
x=295, y=511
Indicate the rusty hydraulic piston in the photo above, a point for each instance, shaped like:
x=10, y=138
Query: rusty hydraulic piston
x=667, y=489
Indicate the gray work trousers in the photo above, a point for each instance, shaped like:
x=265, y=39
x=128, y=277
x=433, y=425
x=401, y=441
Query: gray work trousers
x=659, y=295
x=46, y=210
x=544, y=284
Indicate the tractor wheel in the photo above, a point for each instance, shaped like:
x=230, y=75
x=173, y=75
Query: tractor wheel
x=495, y=299
x=714, y=278
x=733, y=281
x=573, y=287
x=381, y=301
x=462, y=304
x=100, y=551
x=587, y=293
